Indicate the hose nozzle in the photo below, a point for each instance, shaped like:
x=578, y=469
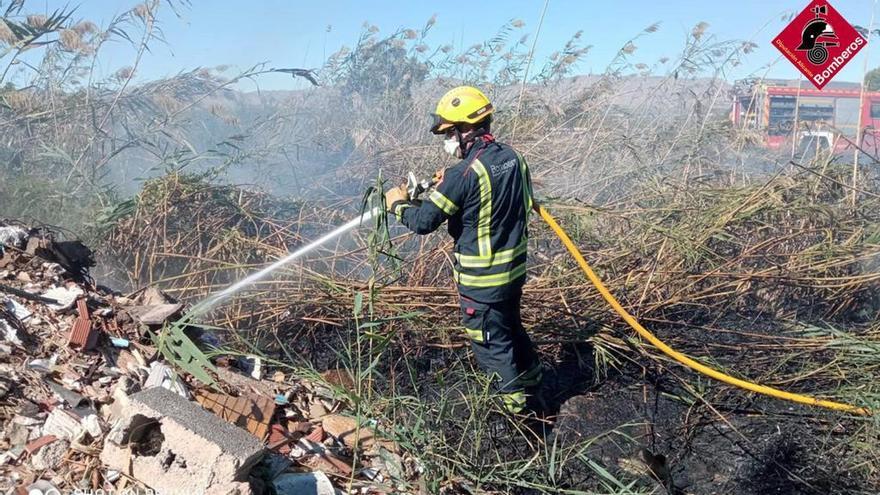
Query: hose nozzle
x=415, y=187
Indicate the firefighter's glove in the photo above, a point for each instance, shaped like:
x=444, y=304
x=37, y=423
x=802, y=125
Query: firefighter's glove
x=438, y=176
x=395, y=195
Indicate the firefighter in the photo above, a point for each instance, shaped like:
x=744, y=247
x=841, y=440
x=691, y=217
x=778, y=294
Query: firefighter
x=485, y=199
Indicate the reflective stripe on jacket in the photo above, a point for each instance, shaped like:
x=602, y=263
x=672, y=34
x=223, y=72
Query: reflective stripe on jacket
x=486, y=199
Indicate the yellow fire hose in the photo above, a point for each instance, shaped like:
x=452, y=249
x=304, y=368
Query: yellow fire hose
x=681, y=358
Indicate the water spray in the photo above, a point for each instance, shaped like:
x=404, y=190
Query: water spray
x=414, y=187
x=221, y=296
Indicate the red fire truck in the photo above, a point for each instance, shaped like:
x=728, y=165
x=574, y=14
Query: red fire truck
x=790, y=113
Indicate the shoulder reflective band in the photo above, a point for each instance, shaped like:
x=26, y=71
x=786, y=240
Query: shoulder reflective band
x=484, y=221
x=443, y=202
x=494, y=280
x=494, y=259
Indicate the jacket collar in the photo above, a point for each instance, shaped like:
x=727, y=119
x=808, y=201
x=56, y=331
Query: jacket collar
x=480, y=143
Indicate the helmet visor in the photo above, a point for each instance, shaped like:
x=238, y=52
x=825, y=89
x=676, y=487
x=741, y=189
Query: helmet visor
x=439, y=124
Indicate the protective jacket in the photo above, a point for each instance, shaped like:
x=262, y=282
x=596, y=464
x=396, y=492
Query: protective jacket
x=486, y=199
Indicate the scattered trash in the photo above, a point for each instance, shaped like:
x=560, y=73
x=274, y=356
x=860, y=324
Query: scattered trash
x=65, y=296
x=24, y=294
x=279, y=439
x=13, y=236
x=371, y=474
x=42, y=487
x=92, y=425
x=152, y=296
x=161, y=375
x=244, y=383
x=63, y=425
x=73, y=256
x=10, y=334
x=304, y=446
x=257, y=372
x=317, y=410
x=67, y=408
x=317, y=435
x=16, y=308
x=79, y=404
x=43, y=366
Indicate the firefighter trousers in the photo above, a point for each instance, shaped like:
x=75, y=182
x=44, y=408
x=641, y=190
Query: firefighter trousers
x=502, y=348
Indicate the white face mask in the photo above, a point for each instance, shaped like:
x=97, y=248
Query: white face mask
x=451, y=146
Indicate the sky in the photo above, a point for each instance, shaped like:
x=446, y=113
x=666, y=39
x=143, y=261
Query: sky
x=209, y=33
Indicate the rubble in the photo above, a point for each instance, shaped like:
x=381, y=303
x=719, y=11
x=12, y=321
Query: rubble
x=50, y=456
x=177, y=447
x=155, y=314
x=35, y=445
x=64, y=297
x=161, y=375
x=63, y=424
x=91, y=399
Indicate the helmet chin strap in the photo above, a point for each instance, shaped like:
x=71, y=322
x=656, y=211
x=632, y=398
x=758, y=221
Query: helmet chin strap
x=462, y=145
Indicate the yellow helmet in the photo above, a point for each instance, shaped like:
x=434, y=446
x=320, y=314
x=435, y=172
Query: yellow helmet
x=461, y=105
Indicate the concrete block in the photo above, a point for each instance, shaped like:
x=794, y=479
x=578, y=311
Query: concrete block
x=175, y=447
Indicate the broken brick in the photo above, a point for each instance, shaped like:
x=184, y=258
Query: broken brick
x=82, y=334
x=317, y=435
x=279, y=439
x=251, y=412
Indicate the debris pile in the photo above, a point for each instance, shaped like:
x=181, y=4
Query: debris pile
x=100, y=390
